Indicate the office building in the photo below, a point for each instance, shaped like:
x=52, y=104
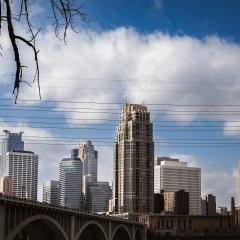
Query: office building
x=70, y=183
x=171, y=175
x=6, y=185
x=51, y=192
x=98, y=196
x=134, y=161
x=211, y=205
x=203, y=206
x=208, y=205
x=158, y=202
x=89, y=157
x=10, y=142
x=176, y=203
x=22, y=167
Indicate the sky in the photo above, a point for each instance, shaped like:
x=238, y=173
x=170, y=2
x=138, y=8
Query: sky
x=180, y=58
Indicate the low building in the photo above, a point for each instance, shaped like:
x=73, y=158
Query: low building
x=208, y=205
x=190, y=226
x=51, y=192
x=177, y=202
x=203, y=206
x=222, y=210
x=6, y=185
x=98, y=196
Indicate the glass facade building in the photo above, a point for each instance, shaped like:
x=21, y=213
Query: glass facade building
x=51, y=192
x=70, y=182
x=11, y=141
x=89, y=157
x=98, y=196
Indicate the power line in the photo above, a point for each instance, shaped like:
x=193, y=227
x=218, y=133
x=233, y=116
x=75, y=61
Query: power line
x=112, y=129
x=111, y=142
x=119, y=103
x=109, y=138
x=115, y=120
x=113, y=125
x=165, y=146
x=114, y=109
x=136, y=79
x=185, y=113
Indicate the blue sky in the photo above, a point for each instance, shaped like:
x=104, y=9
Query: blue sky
x=162, y=52
x=191, y=17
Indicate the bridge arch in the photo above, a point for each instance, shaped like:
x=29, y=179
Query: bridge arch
x=91, y=230
x=121, y=232
x=42, y=222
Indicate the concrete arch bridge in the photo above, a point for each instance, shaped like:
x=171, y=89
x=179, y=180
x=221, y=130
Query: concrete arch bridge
x=22, y=219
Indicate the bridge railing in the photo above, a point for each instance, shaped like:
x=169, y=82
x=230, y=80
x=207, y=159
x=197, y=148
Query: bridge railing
x=62, y=208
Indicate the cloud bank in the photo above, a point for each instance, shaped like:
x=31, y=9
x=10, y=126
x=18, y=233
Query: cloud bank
x=155, y=68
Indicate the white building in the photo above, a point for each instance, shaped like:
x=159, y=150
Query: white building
x=70, y=182
x=172, y=175
x=22, y=167
x=89, y=156
x=98, y=196
x=51, y=192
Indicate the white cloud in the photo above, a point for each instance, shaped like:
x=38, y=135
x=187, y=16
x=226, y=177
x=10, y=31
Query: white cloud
x=232, y=128
x=191, y=160
x=222, y=184
x=105, y=163
x=125, y=54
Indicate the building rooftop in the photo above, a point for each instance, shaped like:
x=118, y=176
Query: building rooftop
x=22, y=151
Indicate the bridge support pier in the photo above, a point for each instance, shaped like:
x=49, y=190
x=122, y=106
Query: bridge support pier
x=2, y=222
x=110, y=230
x=72, y=236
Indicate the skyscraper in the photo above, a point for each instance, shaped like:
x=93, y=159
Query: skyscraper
x=70, y=182
x=22, y=167
x=171, y=175
x=51, y=192
x=89, y=157
x=10, y=142
x=98, y=196
x=134, y=161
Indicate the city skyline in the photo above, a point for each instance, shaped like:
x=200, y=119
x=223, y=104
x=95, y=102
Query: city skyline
x=75, y=153
x=119, y=120
x=168, y=52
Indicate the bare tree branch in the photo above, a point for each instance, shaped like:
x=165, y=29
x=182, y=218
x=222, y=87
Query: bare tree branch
x=64, y=13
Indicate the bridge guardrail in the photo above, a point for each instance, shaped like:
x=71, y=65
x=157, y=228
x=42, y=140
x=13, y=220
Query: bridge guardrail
x=59, y=207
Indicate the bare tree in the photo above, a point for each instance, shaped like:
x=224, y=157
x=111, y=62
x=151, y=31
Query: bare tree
x=64, y=13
